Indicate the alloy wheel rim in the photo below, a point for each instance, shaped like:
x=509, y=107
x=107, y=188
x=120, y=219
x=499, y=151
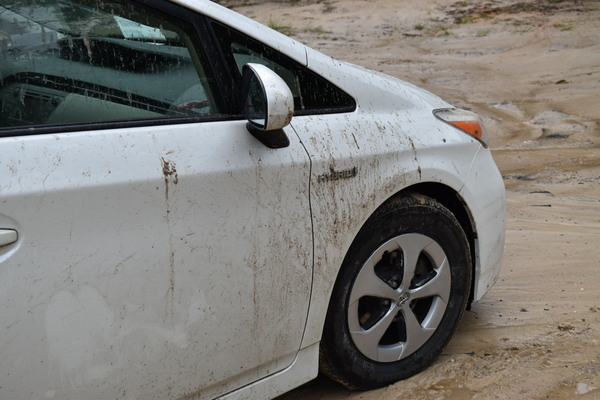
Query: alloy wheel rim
x=399, y=297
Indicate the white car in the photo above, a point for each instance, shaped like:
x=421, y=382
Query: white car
x=195, y=206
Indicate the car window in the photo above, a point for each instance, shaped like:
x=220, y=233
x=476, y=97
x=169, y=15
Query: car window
x=84, y=61
x=313, y=94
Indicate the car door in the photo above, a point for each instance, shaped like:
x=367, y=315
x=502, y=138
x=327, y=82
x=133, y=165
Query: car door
x=151, y=247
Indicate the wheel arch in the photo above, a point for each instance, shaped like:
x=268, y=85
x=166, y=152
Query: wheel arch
x=450, y=199
x=446, y=197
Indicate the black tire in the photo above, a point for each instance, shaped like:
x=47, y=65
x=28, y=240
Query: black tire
x=382, y=327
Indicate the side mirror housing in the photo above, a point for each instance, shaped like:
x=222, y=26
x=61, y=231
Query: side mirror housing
x=268, y=104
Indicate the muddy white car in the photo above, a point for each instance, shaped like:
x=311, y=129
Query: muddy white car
x=195, y=206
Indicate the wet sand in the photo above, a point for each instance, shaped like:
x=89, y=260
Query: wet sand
x=532, y=69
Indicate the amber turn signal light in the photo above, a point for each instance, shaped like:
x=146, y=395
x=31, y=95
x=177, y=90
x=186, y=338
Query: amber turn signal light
x=466, y=121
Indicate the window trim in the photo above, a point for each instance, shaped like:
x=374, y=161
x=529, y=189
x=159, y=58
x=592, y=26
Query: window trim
x=57, y=129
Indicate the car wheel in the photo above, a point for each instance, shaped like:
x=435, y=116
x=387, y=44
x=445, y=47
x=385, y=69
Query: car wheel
x=400, y=294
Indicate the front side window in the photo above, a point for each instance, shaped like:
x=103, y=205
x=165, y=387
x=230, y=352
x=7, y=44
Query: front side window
x=313, y=94
x=87, y=62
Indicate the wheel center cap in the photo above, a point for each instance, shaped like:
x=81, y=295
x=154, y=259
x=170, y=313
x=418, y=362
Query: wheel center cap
x=404, y=297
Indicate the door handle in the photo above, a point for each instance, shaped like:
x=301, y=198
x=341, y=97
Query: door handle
x=8, y=236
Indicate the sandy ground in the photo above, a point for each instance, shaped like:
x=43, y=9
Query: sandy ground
x=532, y=69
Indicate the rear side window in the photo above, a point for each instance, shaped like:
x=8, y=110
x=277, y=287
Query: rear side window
x=313, y=94
x=86, y=62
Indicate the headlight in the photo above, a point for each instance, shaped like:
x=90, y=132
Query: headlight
x=466, y=121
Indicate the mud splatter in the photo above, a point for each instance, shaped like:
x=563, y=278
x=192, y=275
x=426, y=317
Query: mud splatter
x=169, y=170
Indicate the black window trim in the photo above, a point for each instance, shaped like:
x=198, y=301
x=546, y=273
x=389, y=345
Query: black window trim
x=58, y=129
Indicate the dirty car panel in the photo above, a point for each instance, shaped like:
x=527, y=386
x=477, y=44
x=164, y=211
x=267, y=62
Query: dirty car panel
x=152, y=245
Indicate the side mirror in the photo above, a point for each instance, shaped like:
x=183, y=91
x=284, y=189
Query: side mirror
x=268, y=104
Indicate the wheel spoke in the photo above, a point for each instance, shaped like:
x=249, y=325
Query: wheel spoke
x=367, y=341
x=436, y=312
x=412, y=245
x=438, y=286
x=368, y=283
x=416, y=334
